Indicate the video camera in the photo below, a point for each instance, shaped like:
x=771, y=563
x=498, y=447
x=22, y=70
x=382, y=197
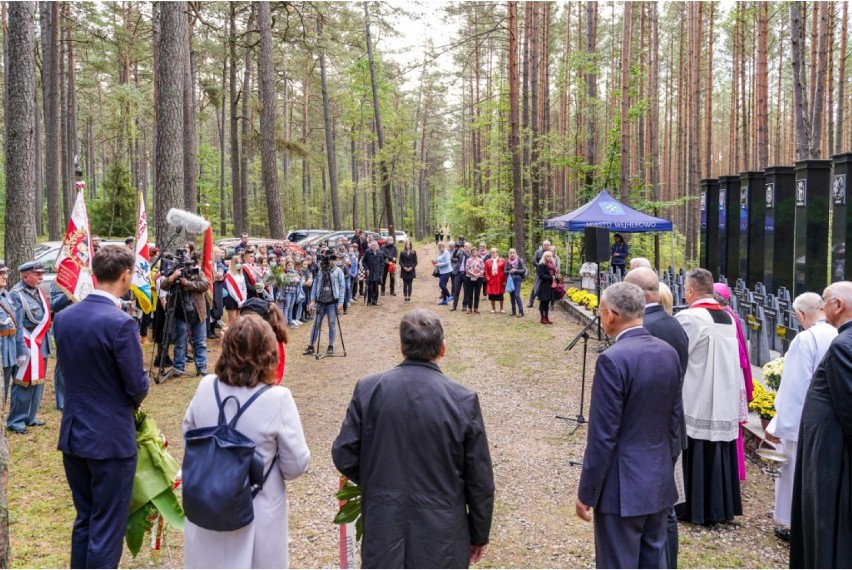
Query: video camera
x=179, y=261
x=460, y=242
x=326, y=256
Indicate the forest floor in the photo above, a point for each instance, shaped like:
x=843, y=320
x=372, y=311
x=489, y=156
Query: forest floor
x=524, y=379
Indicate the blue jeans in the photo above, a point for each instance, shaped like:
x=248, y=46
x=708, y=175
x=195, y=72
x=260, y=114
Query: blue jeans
x=289, y=301
x=329, y=310
x=199, y=345
x=515, y=296
x=348, y=296
x=442, y=284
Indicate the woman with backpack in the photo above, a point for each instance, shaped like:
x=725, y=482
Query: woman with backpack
x=217, y=535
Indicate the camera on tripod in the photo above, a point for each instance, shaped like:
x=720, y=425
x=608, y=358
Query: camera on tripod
x=179, y=261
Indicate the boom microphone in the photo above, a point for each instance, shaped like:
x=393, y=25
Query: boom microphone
x=187, y=220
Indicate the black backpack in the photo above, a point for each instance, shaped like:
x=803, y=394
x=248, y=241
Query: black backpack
x=222, y=472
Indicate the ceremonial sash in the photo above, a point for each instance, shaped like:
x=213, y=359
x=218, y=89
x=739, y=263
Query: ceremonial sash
x=34, y=368
x=234, y=290
x=251, y=274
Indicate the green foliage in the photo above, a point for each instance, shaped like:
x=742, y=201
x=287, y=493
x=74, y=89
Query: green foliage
x=350, y=510
x=114, y=211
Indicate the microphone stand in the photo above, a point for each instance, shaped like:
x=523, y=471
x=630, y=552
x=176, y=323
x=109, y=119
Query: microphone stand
x=165, y=248
x=584, y=334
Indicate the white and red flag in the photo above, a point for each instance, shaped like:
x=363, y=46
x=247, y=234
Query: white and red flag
x=74, y=262
x=141, y=284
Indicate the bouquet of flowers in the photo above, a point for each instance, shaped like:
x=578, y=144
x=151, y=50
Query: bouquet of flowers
x=772, y=373
x=154, y=499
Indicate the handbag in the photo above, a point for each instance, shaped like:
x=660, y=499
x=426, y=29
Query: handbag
x=510, y=285
x=436, y=273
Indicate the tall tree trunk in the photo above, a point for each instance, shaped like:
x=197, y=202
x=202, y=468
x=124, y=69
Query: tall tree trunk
x=841, y=86
x=708, y=98
x=20, y=161
x=268, y=120
x=380, y=134
x=654, y=120
x=800, y=104
x=246, y=126
x=220, y=125
x=626, y=33
x=762, y=118
x=514, y=135
x=73, y=146
x=65, y=192
x=329, y=139
x=39, y=163
x=233, y=102
x=50, y=87
x=20, y=142
x=306, y=165
x=190, y=144
x=591, y=91
x=170, y=107
x=423, y=165
x=817, y=103
x=353, y=165
x=535, y=121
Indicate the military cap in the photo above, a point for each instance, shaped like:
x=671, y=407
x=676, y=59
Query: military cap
x=36, y=266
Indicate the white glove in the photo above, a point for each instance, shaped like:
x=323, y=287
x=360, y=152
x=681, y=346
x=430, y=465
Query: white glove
x=21, y=360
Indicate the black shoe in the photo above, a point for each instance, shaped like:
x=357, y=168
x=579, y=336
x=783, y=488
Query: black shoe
x=453, y=309
x=19, y=431
x=783, y=534
x=202, y=372
x=212, y=335
x=383, y=293
x=345, y=311
x=36, y=423
x=330, y=351
x=393, y=294
x=513, y=313
x=308, y=351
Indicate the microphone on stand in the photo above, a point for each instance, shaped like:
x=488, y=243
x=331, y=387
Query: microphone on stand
x=188, y=221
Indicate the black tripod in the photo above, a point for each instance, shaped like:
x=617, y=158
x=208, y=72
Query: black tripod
x=317, y=329
x=163, y=369
x=584, y=334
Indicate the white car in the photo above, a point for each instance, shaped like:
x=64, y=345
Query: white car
x=401, y=237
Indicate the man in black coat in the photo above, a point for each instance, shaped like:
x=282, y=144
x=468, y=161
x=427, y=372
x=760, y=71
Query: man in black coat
x=374, y=264
x=414, y=441
x=459, y=258
x=665, y=327
x=821, y=521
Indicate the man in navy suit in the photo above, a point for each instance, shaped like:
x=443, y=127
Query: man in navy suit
x=665, y=327
x=105, y=382
x=628, y=475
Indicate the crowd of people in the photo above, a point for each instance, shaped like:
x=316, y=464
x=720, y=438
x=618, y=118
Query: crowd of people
x=471, y=275
x=665, y=442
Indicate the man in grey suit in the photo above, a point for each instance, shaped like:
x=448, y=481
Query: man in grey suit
x=665, y=327
x=628, y=476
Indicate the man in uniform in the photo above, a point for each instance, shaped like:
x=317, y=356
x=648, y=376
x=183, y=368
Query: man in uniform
x=8, y=329
x=32, y=313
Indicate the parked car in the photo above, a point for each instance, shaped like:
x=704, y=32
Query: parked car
x=401, y=237
x=333, y=238
x=298, y=236
x=229, y=244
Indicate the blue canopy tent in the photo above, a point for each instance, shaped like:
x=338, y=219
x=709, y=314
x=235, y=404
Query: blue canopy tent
x=604, y=211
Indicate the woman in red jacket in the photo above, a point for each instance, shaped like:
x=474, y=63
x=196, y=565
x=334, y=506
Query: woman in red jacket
x=495, y=279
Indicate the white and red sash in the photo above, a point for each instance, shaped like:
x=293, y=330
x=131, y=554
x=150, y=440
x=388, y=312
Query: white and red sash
x=34, y=368
x=236, y=289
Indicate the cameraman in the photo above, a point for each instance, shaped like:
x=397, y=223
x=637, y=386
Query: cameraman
x=327, y=296
x=460, y=255
x=187, y=287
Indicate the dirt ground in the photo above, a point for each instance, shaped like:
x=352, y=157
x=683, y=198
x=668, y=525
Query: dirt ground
x=524, y=379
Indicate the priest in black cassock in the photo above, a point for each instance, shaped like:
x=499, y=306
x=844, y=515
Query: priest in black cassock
x=821, y=525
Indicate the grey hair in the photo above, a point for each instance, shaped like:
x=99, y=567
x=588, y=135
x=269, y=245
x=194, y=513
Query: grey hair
x=626, y=299
x=808, y=303
x=842, y=290
x=639, y=262
x=421, y=335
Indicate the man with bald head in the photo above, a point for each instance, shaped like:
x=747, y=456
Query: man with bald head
x=822, y=489
x=665, y=327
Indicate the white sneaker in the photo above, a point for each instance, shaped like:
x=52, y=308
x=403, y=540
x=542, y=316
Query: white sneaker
x=298, y=323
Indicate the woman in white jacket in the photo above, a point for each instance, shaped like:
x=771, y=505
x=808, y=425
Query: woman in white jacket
x=248, y=362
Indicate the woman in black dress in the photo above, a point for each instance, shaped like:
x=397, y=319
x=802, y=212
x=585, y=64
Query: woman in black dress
x=546, y=271
x=408, y=261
